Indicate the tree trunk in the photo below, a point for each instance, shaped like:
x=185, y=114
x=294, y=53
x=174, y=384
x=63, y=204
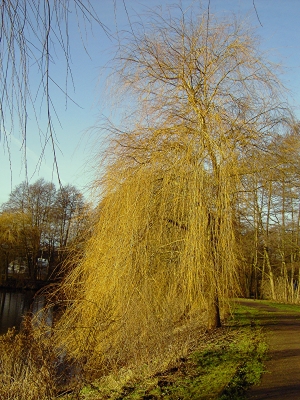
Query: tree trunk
x=214, y=318
x=270, y=272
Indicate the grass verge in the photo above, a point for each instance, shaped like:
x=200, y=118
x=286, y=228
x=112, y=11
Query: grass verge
x=223, y=367
x=284, y=307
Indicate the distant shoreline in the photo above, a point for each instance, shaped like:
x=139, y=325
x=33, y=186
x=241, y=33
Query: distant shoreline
x=24, y=284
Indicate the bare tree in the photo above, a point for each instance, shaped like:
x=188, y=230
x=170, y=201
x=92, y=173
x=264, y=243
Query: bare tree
x=55, y=219
x=270, y=209
x=68, y=207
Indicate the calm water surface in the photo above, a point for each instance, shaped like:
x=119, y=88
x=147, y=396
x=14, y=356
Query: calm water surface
x=14, y=305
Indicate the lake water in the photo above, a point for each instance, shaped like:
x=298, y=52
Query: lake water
x=14, y=305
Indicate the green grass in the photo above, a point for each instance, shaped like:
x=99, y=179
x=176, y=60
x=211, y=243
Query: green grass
x=245, y=314
x=284, y=307
x=239, y=307
x=224, y=369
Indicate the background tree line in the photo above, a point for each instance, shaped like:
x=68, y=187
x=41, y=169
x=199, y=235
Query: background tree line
x=38, y=224
x=269, y=219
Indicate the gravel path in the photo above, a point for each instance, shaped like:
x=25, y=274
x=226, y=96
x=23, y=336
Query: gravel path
x=282, y=379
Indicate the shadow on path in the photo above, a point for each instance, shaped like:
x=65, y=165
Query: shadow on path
x=282, y=377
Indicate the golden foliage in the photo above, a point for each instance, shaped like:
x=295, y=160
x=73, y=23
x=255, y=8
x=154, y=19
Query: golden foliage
x=163, y=252
x=155, y=255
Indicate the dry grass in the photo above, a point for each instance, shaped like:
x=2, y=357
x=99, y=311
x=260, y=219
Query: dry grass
x=27, y=366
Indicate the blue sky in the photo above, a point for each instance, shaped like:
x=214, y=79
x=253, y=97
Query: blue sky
x=77, y=141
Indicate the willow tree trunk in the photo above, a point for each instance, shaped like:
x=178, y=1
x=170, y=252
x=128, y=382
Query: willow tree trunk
x=214, y=317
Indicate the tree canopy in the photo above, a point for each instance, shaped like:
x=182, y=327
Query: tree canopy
x=40, y=222
x=165, y=251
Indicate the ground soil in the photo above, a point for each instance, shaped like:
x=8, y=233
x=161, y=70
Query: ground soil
x=282, y=377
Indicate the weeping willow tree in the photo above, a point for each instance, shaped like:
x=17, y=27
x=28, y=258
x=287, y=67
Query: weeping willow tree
x=163, y=253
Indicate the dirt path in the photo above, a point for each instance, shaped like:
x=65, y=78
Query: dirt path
x=282, y=379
